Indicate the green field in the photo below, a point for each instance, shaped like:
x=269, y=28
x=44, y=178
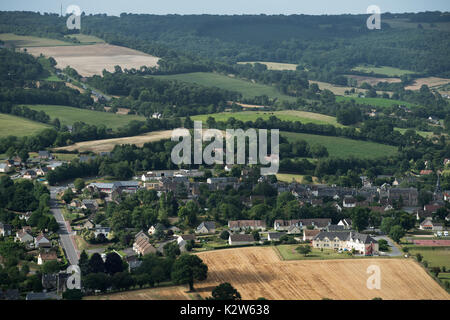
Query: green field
x=17, y=126
x=288, y=177
x=30, y=41
x=377, y=102
x=436, y=257
x=288, y=252
x=86, y=39
x=285, y=115
x=248, y=89
x=69, y=115
x=339, y=147
x=425, y=134
x=387, y=71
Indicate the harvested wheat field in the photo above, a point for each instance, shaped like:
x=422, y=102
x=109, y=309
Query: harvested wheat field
x=258, y=272
x=430, y=82
x=106, y=145
x=166, y=293
x=372, y=80
x=90, y=60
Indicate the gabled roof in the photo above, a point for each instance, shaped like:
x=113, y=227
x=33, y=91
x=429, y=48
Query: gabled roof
x=207, y=224
x=242, y=238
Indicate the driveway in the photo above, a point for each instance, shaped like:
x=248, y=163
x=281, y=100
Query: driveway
x=395, y=251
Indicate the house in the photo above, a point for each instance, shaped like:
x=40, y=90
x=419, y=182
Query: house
x=431, y=208
x=247, y=224
x=158, y=226
x=4, y=167
x=88, y=204
x=409, y=196
x=142, y=245
x=349, y=202
x=308, y=235
x=102, y=230
x=25, y=216
x=24, y=236
x=44, y=155
x=54, y=165
x=29, y=174
x=44, y=257
x=84, y=158
x=141, y=235
x=75, y=204
x=88, y=224
x=275, y=236
x=428, y=224
x=346, y=241
x=346, y=223
x=206, y=227
x=240, y=239
x=42, y=171
x=42, y=242
x=284, y=225
x=335, y=227
x=183, y=239
x=447, y=195
x=5, y=229
x=293, y=229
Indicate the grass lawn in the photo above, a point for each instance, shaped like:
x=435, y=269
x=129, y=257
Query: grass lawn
x=274, y=65
x=436, y=257
x=387, y=71
x=425, y=134
x=288, y=252
x=69, y=115
x=65, y=156
x=343, y=147
x=285, y=115
x=30, y=41
x=248, y=89
x=17, y=126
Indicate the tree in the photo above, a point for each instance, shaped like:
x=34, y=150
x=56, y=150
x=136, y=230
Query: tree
x=68, y=195
x=83, y=262
x=225, y=291
x=224, y=235
x=79, y=184
x=171, y=250
x=383, y=245
x=113, y=263
x=72, y=294
x=419, y=257
x=188, y=268
x=256, y=236
x=96, y=263
x=396, y=233
x=50, y=267
x=97, y=281
x=305, y=249
x=360, y=218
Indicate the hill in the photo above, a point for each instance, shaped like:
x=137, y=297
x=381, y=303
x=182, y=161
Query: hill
x=17, y=126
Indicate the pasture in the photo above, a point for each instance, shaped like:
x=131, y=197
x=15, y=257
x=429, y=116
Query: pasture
x=285, y=115
x=69, y=115
x=372, y=80
x=436, y=257
x=274, y=65
x=18, y=126
x=377, y=102
x=337, y=90
x=339, y=147
x=248, y=89
x=288, y=177
x=387, y=71
x=11, y=39
x=431, y=82
x=91, y=59
x=105, y=145
x=258, y=272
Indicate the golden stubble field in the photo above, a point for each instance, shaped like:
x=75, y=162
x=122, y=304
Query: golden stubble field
x=258, y=272
x=90, y=60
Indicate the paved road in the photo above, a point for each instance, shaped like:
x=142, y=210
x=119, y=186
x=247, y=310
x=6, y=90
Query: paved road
x=66, y=240
x=395, y=251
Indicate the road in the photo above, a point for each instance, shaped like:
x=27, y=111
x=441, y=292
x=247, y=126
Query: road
x=66, y=240
x=395, y=251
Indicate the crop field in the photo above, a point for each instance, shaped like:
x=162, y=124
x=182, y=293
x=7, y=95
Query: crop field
x=91, y=59
x=372, y=80
x=387, y=71
x=337, y=90
x=339, y=147
x=431, y=82
x=11, y=39
x=20, y=127
x=436, y=257
x=274, y=65
x=69, y=115
x=377, y=102
x=288, y=177
x=258, y=272
x=248, y=89
x=105, y=145
x=86, y=39
x=285, y=115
